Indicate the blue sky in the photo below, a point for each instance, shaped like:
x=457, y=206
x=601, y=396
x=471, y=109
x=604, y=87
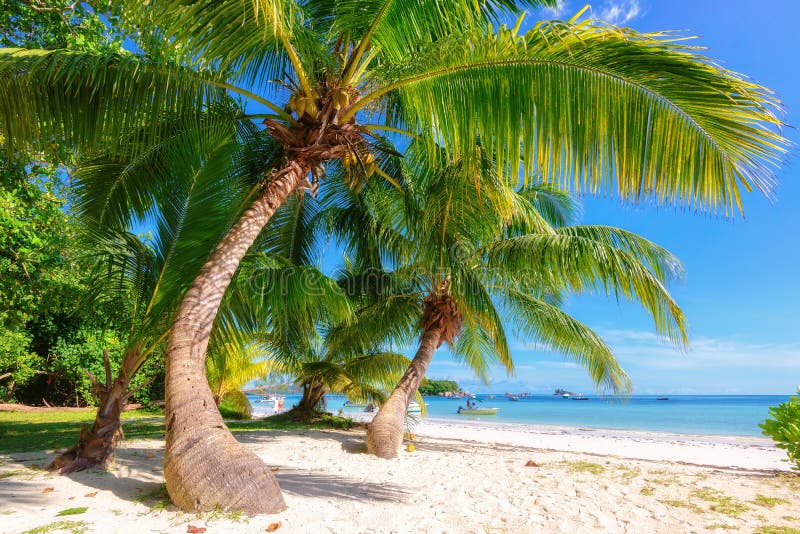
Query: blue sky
x=741, y=292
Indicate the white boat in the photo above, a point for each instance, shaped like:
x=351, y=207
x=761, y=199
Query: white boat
x=565, y=395
x=414, y=408
x=269, y=398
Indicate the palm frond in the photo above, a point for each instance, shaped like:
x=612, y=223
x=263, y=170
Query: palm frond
x=595, y=107
x=84, y=99
x=579, y=264
x=549, y=327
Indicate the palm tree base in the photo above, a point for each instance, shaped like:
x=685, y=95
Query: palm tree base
x=217, y=472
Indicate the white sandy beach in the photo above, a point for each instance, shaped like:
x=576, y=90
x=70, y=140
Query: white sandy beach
x=460, y=478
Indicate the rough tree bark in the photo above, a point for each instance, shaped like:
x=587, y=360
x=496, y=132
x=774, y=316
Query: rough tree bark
x=96, y=445
x=312, y=395
x=204, y=466
x=385, y=432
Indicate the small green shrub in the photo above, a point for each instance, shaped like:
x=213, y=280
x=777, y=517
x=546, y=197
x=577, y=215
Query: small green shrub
x=784, y=428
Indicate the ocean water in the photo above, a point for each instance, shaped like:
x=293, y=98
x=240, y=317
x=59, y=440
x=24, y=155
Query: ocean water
x=725, y=415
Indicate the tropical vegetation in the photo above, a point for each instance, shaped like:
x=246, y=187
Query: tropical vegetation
x=437, y=387
x=783, y=426
x=319, y=84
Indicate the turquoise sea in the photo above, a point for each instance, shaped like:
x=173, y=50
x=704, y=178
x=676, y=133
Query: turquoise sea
x=728, y=415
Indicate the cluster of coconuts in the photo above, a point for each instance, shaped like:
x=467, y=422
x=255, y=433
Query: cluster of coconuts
x=366, y=160
x=302, y=104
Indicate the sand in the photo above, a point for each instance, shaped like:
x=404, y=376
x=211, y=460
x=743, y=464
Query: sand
x=460, y=478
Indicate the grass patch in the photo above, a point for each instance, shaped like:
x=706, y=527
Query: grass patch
x=648, y=491
x=721, y=503
x=769, y=502
x=721, y=526
x=9, y=474
x=218, y=513
x=585, y=467
x=74, y=511
x=675, y=503
x=157, y=500
x=771, y=529
x=74, y=527
x=629, y=473
x=37, y=431
x=293, y=421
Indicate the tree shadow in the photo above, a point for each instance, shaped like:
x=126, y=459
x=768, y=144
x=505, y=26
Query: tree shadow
x=317, y=484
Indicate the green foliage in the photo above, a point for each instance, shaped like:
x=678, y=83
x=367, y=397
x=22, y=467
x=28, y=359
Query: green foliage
x=235, y=405
x=59, y=24
x=435, y=387
x=784, y=428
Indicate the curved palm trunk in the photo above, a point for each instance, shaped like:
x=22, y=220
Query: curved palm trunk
x=385, y=432
x=312, y=395
x=96, y=445
x=204, y=466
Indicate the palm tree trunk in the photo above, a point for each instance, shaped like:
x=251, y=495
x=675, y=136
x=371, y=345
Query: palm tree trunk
x=96, y=445
x=385, y=432
x=312, y=395
x=204, y=466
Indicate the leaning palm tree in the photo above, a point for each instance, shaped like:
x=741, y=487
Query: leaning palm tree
x=641, y=114
x=478, y=255
x=152, y=271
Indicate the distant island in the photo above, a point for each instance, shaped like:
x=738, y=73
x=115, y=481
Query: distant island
x=440, y=388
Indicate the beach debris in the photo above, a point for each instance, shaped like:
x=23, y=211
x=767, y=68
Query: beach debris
x=411, y=447
x=92, y=494
x=531, y=463
x=274, y=526
x=191, y=529
x=48, y=490
x=34, y=466
x=273, y=469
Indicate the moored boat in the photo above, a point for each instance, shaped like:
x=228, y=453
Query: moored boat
x=414, y=408
x=513, y=398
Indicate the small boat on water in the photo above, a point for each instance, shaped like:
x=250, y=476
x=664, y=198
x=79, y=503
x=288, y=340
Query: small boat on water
x=414, y=408
x=580, y=397
x=566, y=395
x=355, y=405
x=513, y=398
x=477, y=411
x=269, y=399
x=662, y=398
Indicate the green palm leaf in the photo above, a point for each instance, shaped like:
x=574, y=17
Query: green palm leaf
x=595, y=107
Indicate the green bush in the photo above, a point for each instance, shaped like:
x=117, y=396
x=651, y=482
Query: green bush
x=784, y=428
x=435, y=387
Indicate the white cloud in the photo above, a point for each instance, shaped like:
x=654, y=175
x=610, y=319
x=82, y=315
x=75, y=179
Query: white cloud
x=646, y=350
x=619, y=12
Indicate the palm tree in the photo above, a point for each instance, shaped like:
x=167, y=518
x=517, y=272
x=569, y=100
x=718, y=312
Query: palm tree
x=602, y=107
x=151, y=272
x=476, y=255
